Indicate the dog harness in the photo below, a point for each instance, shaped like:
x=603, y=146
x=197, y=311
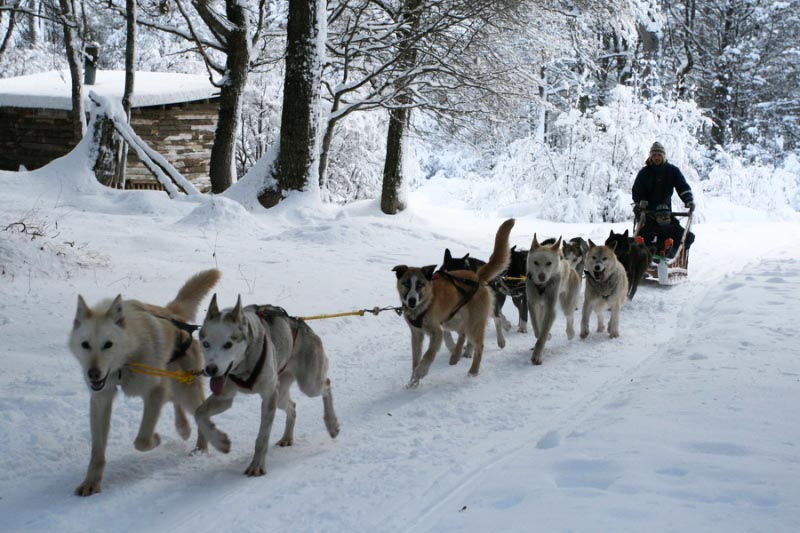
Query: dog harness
x=466, y=294
x=267, y=313
x=539, y=288
x=604, y=288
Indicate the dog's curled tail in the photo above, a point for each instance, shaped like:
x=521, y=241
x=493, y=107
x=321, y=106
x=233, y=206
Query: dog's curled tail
x=192, y=293
x=501, y=254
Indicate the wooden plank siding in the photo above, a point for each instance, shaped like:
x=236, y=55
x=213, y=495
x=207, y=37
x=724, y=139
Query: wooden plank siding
x=183, y=133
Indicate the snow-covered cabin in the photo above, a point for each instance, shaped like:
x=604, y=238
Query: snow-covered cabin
x=176, y=114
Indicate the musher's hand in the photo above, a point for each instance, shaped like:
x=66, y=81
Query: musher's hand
x=690, y=205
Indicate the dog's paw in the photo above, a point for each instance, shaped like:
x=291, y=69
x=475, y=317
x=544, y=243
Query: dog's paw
x=522, y=329
x=256, y=468
x=601, y=328
x=183, y=428
x=284, y=442
x=413, y=383
x=197, y=450
x=613, y=334
x=501, y=343
x=454, y=359
x=332, y=425
x=144, y=445
x=87, y=488
x=220, y=441
x=536, y=360
x=570, y=334
x=584, y=334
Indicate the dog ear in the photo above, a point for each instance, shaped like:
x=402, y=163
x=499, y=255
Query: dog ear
x=625, y=234
x=81, y=313
x=535, y=243
x=116, y=313
x=447, y=255
x=513, y=249
x=557, y=246
x=400, y=270
x=213, y=310
x=427, y=271
x=236, y=313
x=612, y=245
x=591, y=244
x=611, y=234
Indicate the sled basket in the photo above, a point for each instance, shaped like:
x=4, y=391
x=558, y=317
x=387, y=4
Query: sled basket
x=669, y=270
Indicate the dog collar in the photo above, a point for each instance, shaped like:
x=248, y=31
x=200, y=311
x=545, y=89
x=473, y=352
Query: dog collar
x=248, y=384
x=539, y=288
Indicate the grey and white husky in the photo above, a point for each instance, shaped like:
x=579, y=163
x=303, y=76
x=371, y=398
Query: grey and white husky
x=110, y=338
x=261, y=350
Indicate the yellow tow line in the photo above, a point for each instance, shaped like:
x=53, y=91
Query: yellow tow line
x=360, y=312
x=181, y=376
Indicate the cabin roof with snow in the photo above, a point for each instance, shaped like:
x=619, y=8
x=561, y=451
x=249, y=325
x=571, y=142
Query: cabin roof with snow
x=51, y=90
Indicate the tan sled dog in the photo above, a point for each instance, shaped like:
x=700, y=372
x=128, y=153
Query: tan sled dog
x=606, y=286
x=107, y=338
x=458, y=301
x=550, y=281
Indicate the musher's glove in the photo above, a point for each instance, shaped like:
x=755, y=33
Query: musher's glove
x=690, y=205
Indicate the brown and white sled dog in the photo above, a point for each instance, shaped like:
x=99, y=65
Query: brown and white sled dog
x=457, y=301
x=261, y=350
x=550, y=281
x=109, y=337
x=606, y=286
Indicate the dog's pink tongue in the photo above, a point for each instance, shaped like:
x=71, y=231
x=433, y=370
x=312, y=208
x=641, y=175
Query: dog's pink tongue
x=217, y=385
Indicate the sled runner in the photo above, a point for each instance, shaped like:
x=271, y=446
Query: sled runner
x=668, y=270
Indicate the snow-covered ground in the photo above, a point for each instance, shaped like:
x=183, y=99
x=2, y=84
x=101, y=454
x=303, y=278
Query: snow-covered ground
x=687, y=422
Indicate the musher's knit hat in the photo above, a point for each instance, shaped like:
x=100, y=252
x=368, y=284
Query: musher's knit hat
x=657, y=148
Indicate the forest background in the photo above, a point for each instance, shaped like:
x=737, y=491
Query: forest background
x=549, y=103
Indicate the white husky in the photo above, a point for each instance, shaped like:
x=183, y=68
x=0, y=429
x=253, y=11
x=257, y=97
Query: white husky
x=108, y=338
x=261, y=350
x=550, y=281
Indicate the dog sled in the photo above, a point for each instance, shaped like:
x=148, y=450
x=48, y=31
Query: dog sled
x=668, y=270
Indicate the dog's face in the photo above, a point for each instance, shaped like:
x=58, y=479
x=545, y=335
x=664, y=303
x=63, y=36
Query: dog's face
x=450, y=263
x=414, y=286
x=223, y=338
x=621, y=242
x=599, y=260
x=574, y=250
x=543, y=261
x=99, y=340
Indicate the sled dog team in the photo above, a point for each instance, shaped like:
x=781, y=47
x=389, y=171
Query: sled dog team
x=262, y=350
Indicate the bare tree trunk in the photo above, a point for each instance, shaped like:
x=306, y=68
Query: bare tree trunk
x=392, y=200
x=12, y=23
x=237, y=63
x=130, y=78
x=74, y=59
x=297, y=164
x=722, y=107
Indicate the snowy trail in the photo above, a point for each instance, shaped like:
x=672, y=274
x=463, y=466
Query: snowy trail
x=405, y=460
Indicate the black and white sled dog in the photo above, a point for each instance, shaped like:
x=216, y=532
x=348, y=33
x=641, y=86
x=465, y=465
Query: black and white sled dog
x=261, y=350
x=512, y=284
x=574, y=251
